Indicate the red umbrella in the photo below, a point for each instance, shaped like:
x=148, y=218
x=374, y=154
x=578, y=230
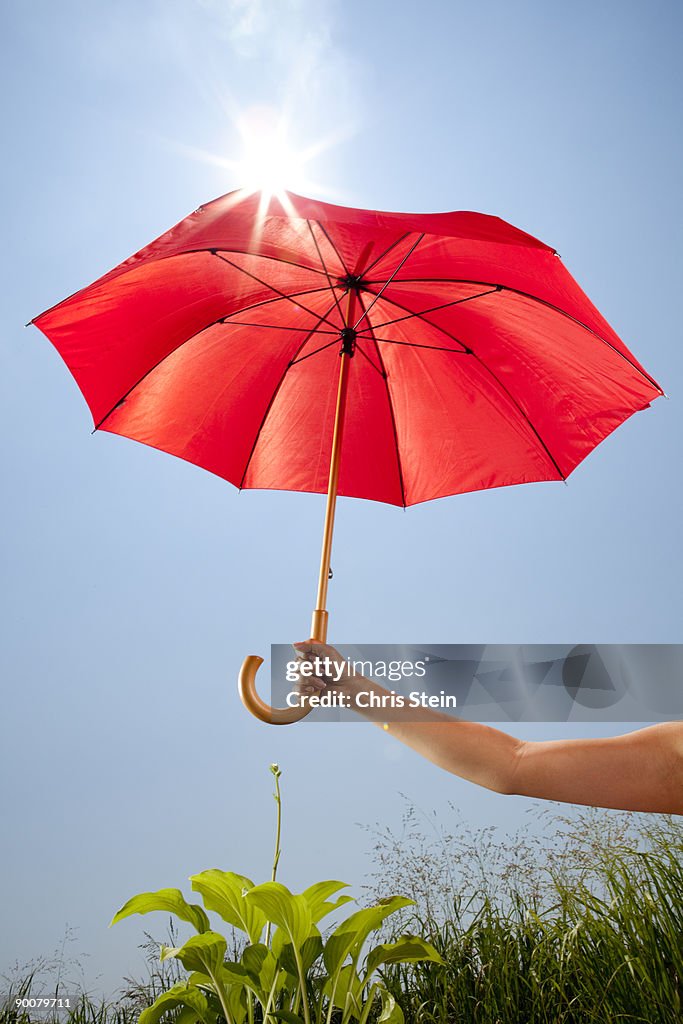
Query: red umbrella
x=453, y=351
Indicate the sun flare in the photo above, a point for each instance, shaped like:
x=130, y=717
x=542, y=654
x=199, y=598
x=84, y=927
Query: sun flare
x=268, y=159
x=269, y=162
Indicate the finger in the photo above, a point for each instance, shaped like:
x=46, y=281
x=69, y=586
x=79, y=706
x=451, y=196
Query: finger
x=308, y=686
x=309, y=645
x=309, y=677
x=308, y=660
x=307, y=654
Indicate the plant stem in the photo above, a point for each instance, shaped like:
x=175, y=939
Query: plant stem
x=250, y=1006
x=266, y=1008
x=278, y=801
x=368, y=1003
x=220, y=992
x=302, y=983
x=275, y=770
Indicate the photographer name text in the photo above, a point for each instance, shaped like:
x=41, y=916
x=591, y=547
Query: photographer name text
x=370, y=699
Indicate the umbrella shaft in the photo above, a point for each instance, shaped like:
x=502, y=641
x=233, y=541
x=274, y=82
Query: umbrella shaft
x=319, y=624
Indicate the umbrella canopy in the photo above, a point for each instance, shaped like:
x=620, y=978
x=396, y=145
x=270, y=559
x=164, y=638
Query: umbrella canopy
x=287, y=343
x=479, y=360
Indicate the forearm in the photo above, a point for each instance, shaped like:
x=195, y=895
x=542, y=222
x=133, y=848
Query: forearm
x=470, y=750
x=639, y=771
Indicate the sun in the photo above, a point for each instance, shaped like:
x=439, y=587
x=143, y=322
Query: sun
x=269, y=162
x=266, y=159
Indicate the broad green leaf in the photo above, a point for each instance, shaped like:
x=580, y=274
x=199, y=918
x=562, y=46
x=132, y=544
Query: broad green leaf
x=309, y=953
x=311, y=949
x=316, y=896
x=203, y=953
x=179, y=995
x=277, y=945
x=198, y=979
x=289, y=912
x=229, y=974
x=171, y=901
x=345, y=990
x=286, y=957
x=261, y=966
x=263, y=974
x=186, y=1015
x=391, y=1011
x=233, y=974
x=224, y=892
x=283, y=951
x=408, y=949
x=349, y=936
x=254, y=957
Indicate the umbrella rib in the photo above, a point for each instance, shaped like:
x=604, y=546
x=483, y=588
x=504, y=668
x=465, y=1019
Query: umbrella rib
x=258, y=255
x=391, y=407
x=520, y=410
x=315, y=350
x=421, y=317
x=434, y=348
x=267, y=302
x=275, y=394
x=214, y=323
x=336, y=250
x=444, y=305
x=271, y=327
x=364, y=353
x=533, y=298
x=322, y=263
x=272, y=288
x=442, y=330
x=385, y=253
x=173, y=255
x=388, y=281
x=470, y=351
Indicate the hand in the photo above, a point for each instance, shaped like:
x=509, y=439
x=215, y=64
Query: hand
x=331, y=668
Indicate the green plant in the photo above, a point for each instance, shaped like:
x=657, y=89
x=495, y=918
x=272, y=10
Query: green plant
x=295, y=976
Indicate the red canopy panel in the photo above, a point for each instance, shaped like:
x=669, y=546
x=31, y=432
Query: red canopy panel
x=479, y=362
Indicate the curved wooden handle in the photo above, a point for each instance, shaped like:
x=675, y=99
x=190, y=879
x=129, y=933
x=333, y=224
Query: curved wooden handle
x=257, y=706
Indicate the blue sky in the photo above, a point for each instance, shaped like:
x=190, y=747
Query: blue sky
x=136, y=583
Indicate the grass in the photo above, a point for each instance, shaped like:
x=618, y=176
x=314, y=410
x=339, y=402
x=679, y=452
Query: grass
x=579, y=920
x=60, y=974
x=585, y=925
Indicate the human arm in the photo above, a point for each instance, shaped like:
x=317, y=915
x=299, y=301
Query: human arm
x=638, y=771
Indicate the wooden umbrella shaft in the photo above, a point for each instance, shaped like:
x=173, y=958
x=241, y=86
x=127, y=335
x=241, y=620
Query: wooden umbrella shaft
x=250, y=666
x=320, y=616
